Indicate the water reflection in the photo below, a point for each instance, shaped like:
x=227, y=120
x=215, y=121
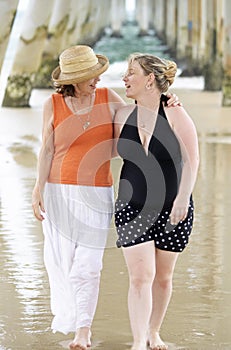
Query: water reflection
x=206, y=288
x=199, y=315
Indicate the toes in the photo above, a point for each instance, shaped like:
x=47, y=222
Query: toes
x=77, y=347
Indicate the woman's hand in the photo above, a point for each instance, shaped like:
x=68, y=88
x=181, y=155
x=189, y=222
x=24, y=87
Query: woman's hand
x=179, y=210
x=38, y=204
x=173, y=100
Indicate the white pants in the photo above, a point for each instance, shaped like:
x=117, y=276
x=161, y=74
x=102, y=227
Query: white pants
x=75, y=230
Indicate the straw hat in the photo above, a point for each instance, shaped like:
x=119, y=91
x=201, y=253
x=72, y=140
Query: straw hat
x=77, y=64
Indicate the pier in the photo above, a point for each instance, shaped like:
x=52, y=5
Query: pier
x=197, y=33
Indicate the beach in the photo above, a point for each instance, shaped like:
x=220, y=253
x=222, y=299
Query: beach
x=200, y=311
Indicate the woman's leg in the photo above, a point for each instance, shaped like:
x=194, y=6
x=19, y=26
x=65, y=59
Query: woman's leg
x=74, y=238
x=85, y=279
x=161, y=295
x=140, y=260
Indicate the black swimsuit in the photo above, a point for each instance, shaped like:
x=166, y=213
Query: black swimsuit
x=148, y=186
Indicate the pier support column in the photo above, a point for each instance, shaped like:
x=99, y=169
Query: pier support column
x=56, y=36
x=188, y=70
x=193, y=49
x=7, y=16
x=171, y=25
x=28, y=54
x=203, y=31
x=143, y=16
x=158, y=18
x=226, y=85
x=117, y=16
x=213, y=70
x=182, y=28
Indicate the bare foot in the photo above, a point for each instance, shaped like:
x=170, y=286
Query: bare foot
x=155, y=342
x=82, y=339
x=139, y=346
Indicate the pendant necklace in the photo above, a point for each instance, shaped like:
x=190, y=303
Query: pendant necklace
x=143, y=124
x=84, y=122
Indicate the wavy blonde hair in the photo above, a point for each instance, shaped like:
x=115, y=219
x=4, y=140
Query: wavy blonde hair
x=164, y=70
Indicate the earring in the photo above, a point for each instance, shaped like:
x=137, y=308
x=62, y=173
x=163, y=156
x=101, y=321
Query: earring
x=148, y=87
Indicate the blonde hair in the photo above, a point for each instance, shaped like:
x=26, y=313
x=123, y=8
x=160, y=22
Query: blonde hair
x=164, y=70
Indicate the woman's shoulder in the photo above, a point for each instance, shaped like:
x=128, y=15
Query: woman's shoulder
x=179, y=118
x=124, y=112
x=52, y=99
x=127, y=108
x=114, y=96
x=48, y=101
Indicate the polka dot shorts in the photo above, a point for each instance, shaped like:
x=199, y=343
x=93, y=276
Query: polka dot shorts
x=135, y=227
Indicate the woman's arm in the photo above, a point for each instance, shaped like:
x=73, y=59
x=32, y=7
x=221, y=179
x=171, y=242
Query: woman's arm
x=120, y=118
x=44, y=160
x=115, y=104
x=185, y=131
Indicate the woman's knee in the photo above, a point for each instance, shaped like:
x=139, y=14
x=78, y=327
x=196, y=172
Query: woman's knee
x=88, y=263
x=164, y=279
x=141, y=279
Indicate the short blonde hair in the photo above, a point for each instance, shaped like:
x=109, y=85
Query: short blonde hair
x=164, y=70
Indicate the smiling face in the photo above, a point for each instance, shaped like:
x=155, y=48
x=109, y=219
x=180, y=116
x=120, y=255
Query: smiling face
x=86, y=87
x=135, y=80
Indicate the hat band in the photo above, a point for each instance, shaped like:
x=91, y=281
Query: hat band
x=78, y=66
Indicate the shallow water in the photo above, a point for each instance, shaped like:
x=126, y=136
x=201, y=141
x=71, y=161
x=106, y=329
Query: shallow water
x=130, y=42
x=199, y=316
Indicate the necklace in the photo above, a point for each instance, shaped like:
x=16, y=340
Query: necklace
x=145, y=120
x=142, y=125
x=84, y=122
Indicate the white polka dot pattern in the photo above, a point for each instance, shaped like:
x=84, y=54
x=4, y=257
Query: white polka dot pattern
x=135, y=226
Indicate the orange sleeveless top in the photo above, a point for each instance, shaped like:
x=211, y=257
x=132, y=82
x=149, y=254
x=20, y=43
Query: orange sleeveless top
x=82, y=157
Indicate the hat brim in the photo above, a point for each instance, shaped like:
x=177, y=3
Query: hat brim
x=73, y=78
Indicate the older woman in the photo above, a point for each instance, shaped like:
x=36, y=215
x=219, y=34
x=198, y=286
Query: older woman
x=154, y=208
x=73, y=194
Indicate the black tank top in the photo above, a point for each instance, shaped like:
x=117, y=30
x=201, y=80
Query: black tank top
x=149, y=181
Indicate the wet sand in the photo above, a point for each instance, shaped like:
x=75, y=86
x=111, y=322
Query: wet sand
x=199, y=315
